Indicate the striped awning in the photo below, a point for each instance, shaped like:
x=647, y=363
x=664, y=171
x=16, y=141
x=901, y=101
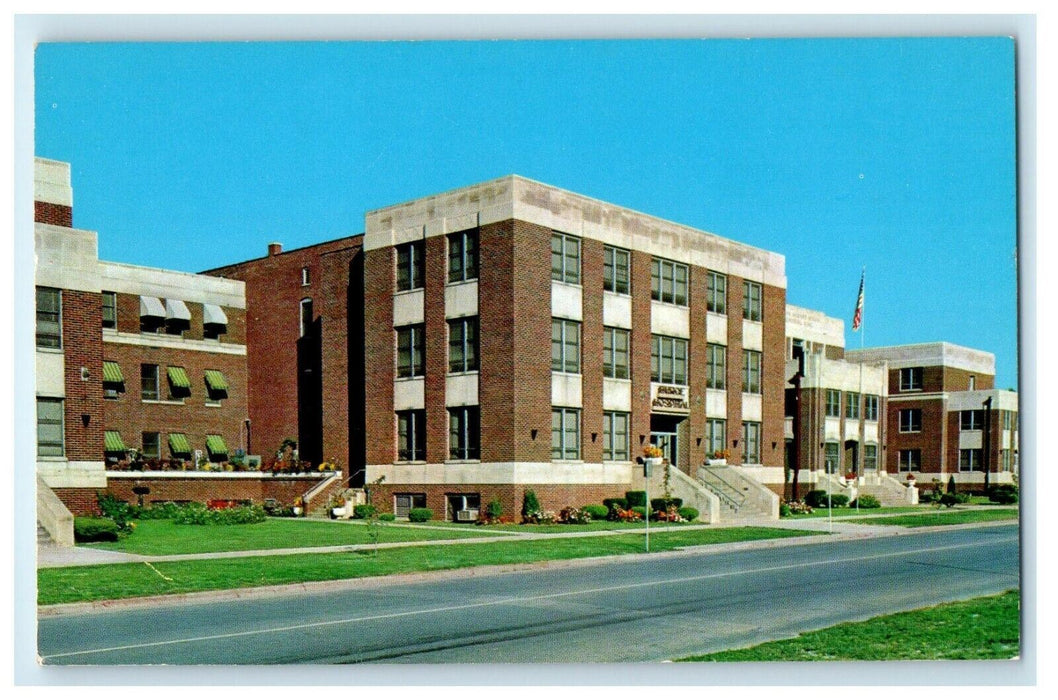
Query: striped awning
x=214, y=315
x=178, y=378
x=151, y=306
x=112, y=373
x=215, y=445
x=216, y=381
x=178, y=444
x=176, y=310
x=112, y=441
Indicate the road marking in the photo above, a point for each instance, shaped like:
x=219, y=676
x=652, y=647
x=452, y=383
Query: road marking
x=520, y=599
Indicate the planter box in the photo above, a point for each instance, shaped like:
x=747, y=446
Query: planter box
x=716, y=462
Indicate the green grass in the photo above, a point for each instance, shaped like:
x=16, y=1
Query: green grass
x=161, y=537
x=600, y=525
x=846, y=511
x=942, y=517
x=111, y=581
x=981, y=628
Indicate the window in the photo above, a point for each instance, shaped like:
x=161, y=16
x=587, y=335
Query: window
x=565, y=433
x=911, y=379
x=751, y=443
x=716, y=294
x=751, y=301
x=831, y=453
x=910, y=420
x=411, y=349
x=565, y=345
x=668, y=281
x=151, y=445
x=614, y=437
x=1008, y=420
x=404, y=502
x=463, y=256
x=149, y=383
x=113, y=380
x=715, y=366
x=870, y=407
x=668, y=360
x=49, y=318
x=50, y=428
x=464, y=433
x=971, y=420
x=1006, y=460
x=615, y=270
x=565, y=258
x=179, y=446
x=970, y=460
x=463, y=344
x=615, y=353
x=179, y=383
x=110, y=310
x=410, y=266
x=214, y=321
x=870, y=457
x=306, y=278
x=751, y=371
x=716, y=436
x=910, y=460
x=216, y=448
x=216, y=386
x=306, y=317
x=833, y=403
x=973, y=382
x=411, y=436
x=852, y=405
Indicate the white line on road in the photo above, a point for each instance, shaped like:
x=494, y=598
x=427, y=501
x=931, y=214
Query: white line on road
x=519, y=599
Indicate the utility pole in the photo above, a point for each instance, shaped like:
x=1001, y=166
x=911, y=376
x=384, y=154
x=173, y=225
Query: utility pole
x=799, y=355
x=987, y=444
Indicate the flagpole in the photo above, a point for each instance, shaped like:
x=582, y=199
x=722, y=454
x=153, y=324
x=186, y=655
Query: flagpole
x=863, y=419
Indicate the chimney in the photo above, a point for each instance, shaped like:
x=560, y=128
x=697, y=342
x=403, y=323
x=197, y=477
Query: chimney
x=274, y=249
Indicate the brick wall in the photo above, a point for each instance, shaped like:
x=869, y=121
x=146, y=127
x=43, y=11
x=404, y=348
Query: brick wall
x=129, y=320
x=436, y=347
x=932, y=440
x=773, y=379
x=203, y=490
x=735, y=294
x=640, y=352
x=54, y=214
x=496, y=342
x=379, y=344
x=591, y=350
x=79, y=501
x=697, y=367
x=82, y=318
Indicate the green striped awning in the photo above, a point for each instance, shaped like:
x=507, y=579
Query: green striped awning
x=178, y=444
x=216, y=381
x=215, y=445
x=112, y=373
x=112, y=441
x=178, y=378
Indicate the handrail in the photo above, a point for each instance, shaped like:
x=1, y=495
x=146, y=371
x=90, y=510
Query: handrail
x=735, y=501
x=318, y=487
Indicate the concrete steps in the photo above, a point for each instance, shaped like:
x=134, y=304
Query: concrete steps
x=43, y=538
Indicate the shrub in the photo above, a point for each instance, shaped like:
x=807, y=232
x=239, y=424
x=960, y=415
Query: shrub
x=951, y=484
x=636, y=499
x=116, y=509
x=530, y=503
x=573, y=516
x=784, y=510
x=641, y=511
x=420, y=515
x=160, y=511
x=388, y=517
x=867, y=501
x=364, y=510
x=596, y=511
x=614, y=505
x=816, y=499
x=948, y=499
x=198, y=514
x=1004, y=494
x=95, y=530
x=687, y=513
x=663, y=504
x=838, y=500
x=494, y=509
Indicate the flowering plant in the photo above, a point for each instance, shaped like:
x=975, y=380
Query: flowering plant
x=721, y=454
x=652, y=451
x=539, y=517
x=910, y=477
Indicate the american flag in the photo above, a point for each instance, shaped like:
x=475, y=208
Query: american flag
x=857, y=317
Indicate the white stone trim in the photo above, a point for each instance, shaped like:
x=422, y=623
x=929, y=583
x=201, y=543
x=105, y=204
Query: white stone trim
x=752, y=335
x=51, y=182
x=752, y=407
x=832, y=429
x=814, y=326
x=461, y=299
x=461, y=389
x=174, y=342
x=716, y=328
x=566, y=390
x=61, y=473
x=716, y=403
x=616, y=310
x=51, y=373
x=617, y=394
x=929, y=355
x=409, y=308
x=197, y=474
x=971, y=439
x=566, y=301
x=409, y=394
x=670, y=320
x=66, y=258
x=171, y=284
x=471, y=473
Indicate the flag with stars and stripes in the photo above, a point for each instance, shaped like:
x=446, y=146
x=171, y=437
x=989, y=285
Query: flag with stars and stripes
x=857, y=316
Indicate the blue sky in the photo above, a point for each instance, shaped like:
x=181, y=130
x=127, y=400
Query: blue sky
x=894, y=154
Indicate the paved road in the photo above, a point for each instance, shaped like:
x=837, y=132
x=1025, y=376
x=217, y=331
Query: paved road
x=647, y=608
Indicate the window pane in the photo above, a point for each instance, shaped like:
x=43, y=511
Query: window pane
x=621, y=354
x=655, y=358
x=456, y=359
x=556, y=258
x=455, y=258
x=403, y=267
x=470, y=241
x=680, y=363
x=556, y=434
x=572, y=262
x=621, y=264
x=680, y=285
x=471, y=348
x=572, y=358
x=556, y=345
x=655, y=279
x=572, y=439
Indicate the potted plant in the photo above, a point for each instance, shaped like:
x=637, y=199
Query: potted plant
x=299, y=506
x=337, y=505
x=719, y=457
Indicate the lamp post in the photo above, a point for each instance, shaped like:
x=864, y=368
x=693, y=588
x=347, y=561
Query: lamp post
x=987, y=440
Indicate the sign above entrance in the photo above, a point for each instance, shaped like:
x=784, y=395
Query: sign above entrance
x=669, y=398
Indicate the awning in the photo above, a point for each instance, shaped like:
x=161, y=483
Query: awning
x=112, y=441
x=215, y=445
x=215, y=380
x=151, y=306
x=178, y=444
x=176, y=310
x=178, y=378
x=214, y=315
x=112, y=373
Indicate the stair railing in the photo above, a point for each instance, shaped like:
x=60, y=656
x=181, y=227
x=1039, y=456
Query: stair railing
x=726, y=492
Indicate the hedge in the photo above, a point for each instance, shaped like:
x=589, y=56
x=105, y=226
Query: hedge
x=95, y=530
x=420, y=515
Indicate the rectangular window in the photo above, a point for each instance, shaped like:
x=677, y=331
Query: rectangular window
x=870, y=407
x=565, y=433
x=751, y=443
x=716, y=295
x=463, y=256
x=910, y=460
x=911, y=379
x=751, y=371
x=306, y=317
x=410, y=266
x=668, y=281
x=50, y=432
x=614, y=437
x=1008, y=419
x=411, y=436
x=831, y=457
x=910, y=420
x=463, y=344
x=464, y=433
x=565, y=258
x=751, y=301
x=970, y=460
x=1007, y=460
x=715, y=366
x=615, y=271
x=49, y=318
x=870, y=457
x=411, y=350
x=971, y=420
x=565, y=345
x=149, y=390
x=110, y=310
x=615, y=353
x=716, y=434
x=833, y=403
x=151, y=445
x=852, y=405
x=404, y=502
x=306, y=277
x=668, y=360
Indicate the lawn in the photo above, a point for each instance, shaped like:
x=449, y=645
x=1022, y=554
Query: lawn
x=981, y=628
x=952, y=516
x=161, y=537
x=111, y=581
x=846, y=511
x=597, y=526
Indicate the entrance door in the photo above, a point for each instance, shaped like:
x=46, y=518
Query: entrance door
x=667, y=443
x=852, y=449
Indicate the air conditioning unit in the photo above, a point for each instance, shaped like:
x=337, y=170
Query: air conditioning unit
x=466, y=516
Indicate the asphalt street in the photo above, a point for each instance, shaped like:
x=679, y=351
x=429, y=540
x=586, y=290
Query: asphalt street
x=642, y=608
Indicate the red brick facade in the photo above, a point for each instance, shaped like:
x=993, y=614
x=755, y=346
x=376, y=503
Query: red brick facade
x=54, y=214
x=82, y=316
